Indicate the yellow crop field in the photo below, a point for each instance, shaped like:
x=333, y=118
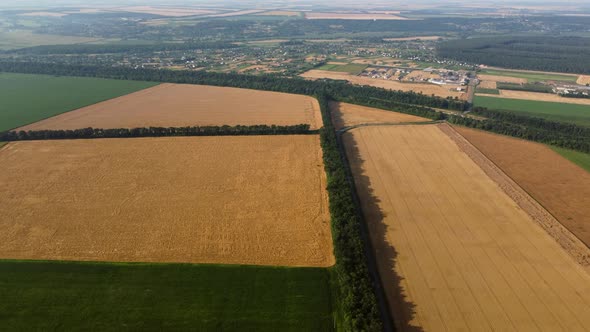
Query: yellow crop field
x=179, y=105
x=455, y=252
x=345, y=115
x=231, y=200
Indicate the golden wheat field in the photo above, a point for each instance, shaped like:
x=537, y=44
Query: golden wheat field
x=179, y=105
x=455, y=252
x=345, y=115
x=233, y=200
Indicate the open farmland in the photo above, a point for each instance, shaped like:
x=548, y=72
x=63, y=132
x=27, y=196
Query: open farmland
x=351, y=16
x=49, y=296
x=532, y=76
x=496, y=79
x=237, y=200
x=24, y=38
x=579, y=158
x=562, y=187
x=178, y=105
x=584, y=79
x=572, y=113
x=425, y=88
x=539, y=96
x=351, y=68
x=29, y=98
x=345, y=115
x=454, y=251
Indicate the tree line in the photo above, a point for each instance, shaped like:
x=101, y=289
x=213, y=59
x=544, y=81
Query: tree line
x=356, y=303
x=87, y=133
x=560, y=134
x=558, y=54
x=257, y=82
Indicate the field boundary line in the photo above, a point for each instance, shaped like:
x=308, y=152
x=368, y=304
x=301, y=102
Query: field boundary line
x=563, y=236
x=379, y=124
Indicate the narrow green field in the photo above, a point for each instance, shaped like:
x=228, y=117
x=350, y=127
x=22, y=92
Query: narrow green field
x=531, y=77
x=30, y=98
x=579, y=158
x=488, y=91
x=571, y=113
x=68, y=296
x=351, y=68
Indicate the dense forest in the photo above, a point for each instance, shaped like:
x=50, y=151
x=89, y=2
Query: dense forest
x=557, y=54
x=87, y=133
x=356, y=299
x=337, y=90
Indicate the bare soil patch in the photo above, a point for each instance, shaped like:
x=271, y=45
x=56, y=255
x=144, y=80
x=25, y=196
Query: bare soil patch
x=538, y=96
x=561, y=186
x=453, y=249
x=584, y=79
x=351, y=16
x=177, y=105
x=488, y=85
x=425, y=88
x=345, y=115
x=507, y=79
x=233, y=200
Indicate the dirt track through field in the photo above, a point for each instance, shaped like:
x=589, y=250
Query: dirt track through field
x=455, y=252
x=231, y=200
x=178, y=105
x=345, y=115
x=562, y=187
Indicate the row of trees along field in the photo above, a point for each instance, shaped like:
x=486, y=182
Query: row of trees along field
x=557, y=54
x=559, y=134
x=336, y=90
x=356, y=302
x=300, y=129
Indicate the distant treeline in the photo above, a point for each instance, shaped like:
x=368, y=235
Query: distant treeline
x=122, y=48
x=356, y=302
x=530, y=128
x=336, y=90
x=557, y=54
x=87, y=133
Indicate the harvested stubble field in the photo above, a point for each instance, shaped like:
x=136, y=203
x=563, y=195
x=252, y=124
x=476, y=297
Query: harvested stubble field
x=425, y=88
x=454, y=251
x=234, y=200
x=562, y=187
x=178, y=105
x=345, y=115
x=488, y=85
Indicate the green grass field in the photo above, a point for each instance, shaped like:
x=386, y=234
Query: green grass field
x=579, y=158
x=24, y=38
x=571, y=113
x=351, y=68
x=531, y=77
x=67, y=296
x=30, y=98
x=488, y=91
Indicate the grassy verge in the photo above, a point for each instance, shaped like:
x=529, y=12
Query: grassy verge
x=30, y=98
x=571, y=113
x=49, y=296
x=579, y=158
x=531, y=77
